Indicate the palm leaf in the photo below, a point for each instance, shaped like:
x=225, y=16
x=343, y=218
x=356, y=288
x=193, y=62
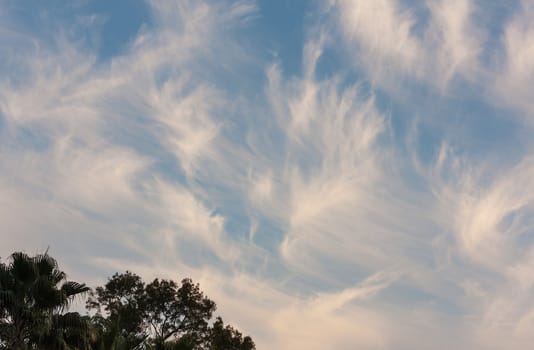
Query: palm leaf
x=6, y=298
x=70, y=289
x=22, y=268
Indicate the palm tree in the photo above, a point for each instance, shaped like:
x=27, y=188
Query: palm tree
x=34, y=294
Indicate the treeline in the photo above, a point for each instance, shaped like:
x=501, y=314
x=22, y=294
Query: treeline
x=124, y=314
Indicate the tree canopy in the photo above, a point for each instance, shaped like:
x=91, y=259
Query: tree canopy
x=124, y=314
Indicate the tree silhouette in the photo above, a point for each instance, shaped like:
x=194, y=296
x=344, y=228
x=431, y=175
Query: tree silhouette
x=125, y=313
x=34, y=293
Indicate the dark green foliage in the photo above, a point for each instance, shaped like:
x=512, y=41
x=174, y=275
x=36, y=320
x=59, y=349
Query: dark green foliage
x=33, y=296
x=121, y=300
x=227, y=338
x=66, y=331
x=127, y=314
x=177, y=311
x=158, y=315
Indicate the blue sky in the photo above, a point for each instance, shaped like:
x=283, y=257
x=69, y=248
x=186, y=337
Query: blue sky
x=336, y=174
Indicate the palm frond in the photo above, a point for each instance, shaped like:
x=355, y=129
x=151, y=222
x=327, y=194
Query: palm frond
x=23, y=268
x=45, y=264
x=70, y=320
x=6, y=298
x=71, y=288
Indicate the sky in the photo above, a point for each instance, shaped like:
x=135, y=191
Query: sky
x=336, y=174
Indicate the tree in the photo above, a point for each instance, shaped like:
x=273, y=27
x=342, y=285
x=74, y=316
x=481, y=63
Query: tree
x=34, y=294
x=121, y=311
x=67, y=331
x=175, y=312
x=127, y=314
x=161, y=315
x=227, y=338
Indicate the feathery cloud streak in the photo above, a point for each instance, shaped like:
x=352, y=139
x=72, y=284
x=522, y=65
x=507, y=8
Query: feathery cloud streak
x=349, y=204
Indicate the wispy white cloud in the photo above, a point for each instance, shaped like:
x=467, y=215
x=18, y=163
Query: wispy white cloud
x=303, y=211
x=391, y=41
x=515, y=76
x=88, y=137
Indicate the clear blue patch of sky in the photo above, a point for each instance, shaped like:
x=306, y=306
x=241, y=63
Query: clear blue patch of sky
x=104, y=26
x=269, y=235
x=462, y=117
x=196, y=254
x=32, y=16
x=236, y=220
x=30, y=139
x=329, y=273
x=412, y=297
x=525, y=239
x=122, y=21
x=2, y=121
x=275, y=35
x=144, y=137
x=280, y=31
x=493, y=16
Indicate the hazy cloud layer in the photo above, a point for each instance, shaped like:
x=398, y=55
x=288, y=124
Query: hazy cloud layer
x=379, y=197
